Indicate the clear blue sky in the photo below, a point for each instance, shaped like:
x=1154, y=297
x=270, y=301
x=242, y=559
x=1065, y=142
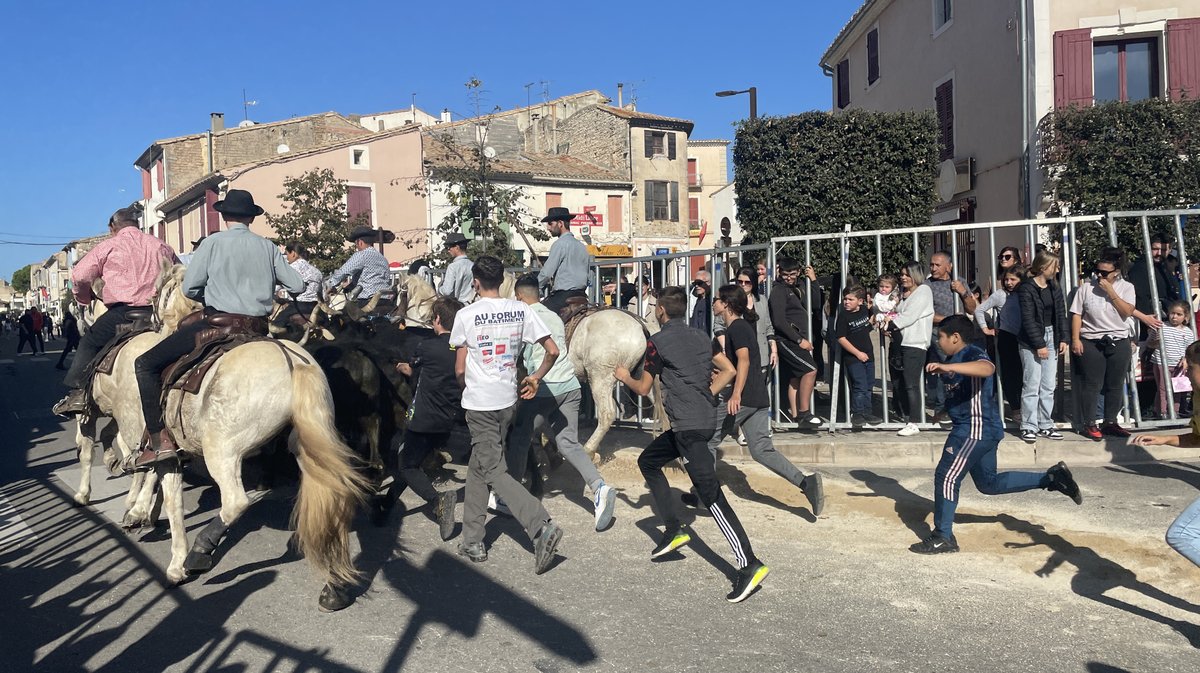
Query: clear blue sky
x=89, y=85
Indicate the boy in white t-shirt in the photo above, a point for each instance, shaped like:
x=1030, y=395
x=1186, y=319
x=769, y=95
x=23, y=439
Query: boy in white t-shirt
x=489, y=335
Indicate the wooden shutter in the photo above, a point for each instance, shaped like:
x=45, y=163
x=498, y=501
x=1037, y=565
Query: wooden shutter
x=649, y=135
x=1183, y=58
x=693, y=174
x=648, y=199
x=162, y=183
x=943, y=102
x=145, y=184
x=615, y=213
x=693, y=213
x=670, y=145
x=843, y=84
x=212, y=219
x=1073, y=68
x=553, y=200
x=674, y=201
x=872, y=56
x=358, y=201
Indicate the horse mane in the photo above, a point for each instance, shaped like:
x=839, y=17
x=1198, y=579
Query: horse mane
x=173, y=306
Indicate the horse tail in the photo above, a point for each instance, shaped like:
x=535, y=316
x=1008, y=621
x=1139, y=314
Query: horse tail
x=330, y=488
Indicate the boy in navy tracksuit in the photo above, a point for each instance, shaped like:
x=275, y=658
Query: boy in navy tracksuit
x=976, y=433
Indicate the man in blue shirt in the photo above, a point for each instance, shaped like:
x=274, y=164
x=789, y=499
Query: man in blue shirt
x=566, y=269
x=458, y=281
x=367, y=267
x=971, y=447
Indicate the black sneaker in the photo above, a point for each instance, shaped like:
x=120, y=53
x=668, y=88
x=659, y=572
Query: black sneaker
x=1050, y=433
x=672, y=539
x=857, y=420
x=473, y=550
x=808, y=421
x=544, y=546
x=748, y=579
x=690, y=499
x=814, y=489
x=1062, y=481
x=1029, y=436
x=1111, y=429
x=935, y=544
x=871, y=419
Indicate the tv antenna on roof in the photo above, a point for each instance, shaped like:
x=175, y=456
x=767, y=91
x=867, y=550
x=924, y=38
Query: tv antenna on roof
x=246, y=105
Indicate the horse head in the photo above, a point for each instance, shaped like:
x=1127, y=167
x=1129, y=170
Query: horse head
x=416, y=297
x=170, y=304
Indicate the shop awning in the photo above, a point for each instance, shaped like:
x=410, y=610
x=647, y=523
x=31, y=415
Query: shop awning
x=610, y=251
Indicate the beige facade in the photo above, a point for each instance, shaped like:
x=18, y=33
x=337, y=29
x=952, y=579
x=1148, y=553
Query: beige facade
x=707, y=174
x=385, y=163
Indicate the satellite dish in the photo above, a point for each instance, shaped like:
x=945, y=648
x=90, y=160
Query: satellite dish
x=244, y=123
x=282, y=149
x=489, y=152
x=947, y=180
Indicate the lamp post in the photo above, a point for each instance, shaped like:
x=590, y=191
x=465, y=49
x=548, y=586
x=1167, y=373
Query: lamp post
x=753, y=99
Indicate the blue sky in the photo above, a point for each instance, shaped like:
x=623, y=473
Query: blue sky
x=89, y=85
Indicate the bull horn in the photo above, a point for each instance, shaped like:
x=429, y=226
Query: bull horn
x=275, y=329
x=312, y=319
x=303, y=340
x=325, y=307
x=373, y=303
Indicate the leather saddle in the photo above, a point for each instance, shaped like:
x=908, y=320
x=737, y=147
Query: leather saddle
x=576, y=311
x=223, y=333
x=137, y=321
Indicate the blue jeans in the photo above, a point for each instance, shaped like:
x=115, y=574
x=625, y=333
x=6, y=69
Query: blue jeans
x=1039, y=378
x=963, y=455
x=862, y=380
x=1184, y=533
x=935, y=390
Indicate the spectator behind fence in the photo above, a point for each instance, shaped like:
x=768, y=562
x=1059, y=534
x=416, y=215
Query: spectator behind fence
x=853, y=334
x=999, y=317
x=1008, y=258
x=914, y=319
x=1043, y=338
x=1170, y=344
x=1149, y=273
x=944, y=286
x=790, y=316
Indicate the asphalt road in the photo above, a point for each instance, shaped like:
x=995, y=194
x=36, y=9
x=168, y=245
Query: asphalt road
x=1040, y=584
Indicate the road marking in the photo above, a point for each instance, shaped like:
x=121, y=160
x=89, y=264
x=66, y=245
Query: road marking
x=13, y=530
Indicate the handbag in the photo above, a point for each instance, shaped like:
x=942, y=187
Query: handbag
x=1180, y=382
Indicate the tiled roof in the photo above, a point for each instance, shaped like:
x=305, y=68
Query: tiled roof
x=144, y=157
x=849, y=27
x=551, y=166
x=635, y=114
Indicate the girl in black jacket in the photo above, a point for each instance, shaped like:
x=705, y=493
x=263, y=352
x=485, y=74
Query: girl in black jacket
x=1042, y=339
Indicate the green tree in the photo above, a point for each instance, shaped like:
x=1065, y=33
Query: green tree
x=1123, y=156
x=817, y=173
x=20, y=280
x=316, y=217
x=489, y=213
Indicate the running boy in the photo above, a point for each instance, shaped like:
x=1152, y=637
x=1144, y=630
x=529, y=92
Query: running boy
x=853, y=333
x=683, y=358
x=974, y=437
x=1184, y=533
x=436, y=408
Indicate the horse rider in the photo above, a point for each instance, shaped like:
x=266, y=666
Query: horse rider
x=129, y=262
x=458, y=282
x=297, y=258
x=367, y=266
x=234, y=272
x=566, y=269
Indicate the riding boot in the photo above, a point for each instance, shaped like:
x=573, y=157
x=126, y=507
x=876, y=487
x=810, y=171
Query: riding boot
x=73, y=403
x=161, y=447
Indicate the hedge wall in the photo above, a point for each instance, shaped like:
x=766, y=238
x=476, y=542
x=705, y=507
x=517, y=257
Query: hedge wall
x=817, y=172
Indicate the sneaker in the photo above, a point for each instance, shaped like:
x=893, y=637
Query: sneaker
x=1029, y=436
x=814, y=489
x=1050, y=433
x=497, y=506
x=443, y=510
x=672, y=539
x=808, y=421
x=742, y=439
x=871, y=419
x=70, y=405
x=1062, y=482
x=473, y=550
x=544, y=546
x=606, y=501
x=691, y=499
x=935, y=544
x=1111, y=429
x=1092, y=433
x=941, y=418
x=748, y=580
x=908, y=430
x=857, y=420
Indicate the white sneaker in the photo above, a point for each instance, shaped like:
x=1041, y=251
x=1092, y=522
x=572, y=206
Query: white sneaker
x=742, y=439
x=909, y=430
x=605, y=502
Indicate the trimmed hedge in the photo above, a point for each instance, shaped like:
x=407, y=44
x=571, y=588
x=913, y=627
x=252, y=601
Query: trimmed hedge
x=816, y=172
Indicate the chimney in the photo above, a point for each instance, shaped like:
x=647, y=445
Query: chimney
x=620, y=88
x=218, y=121
x=446, y=114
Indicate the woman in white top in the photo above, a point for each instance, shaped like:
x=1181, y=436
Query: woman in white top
x=914, y=319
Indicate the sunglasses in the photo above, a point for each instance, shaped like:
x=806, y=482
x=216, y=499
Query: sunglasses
x=1104, y=274
x=1006, y=256
x=744, y=282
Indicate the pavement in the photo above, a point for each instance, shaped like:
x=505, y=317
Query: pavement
x=1041, y=584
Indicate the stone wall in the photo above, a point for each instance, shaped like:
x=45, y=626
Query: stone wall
x=596, y=137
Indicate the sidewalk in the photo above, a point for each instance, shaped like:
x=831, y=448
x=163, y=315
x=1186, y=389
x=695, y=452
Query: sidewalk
x=882, y=448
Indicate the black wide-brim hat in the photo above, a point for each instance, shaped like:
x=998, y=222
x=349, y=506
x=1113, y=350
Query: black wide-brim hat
x=239, y=203
x=455, y=238
x=558, y=215
x=371, y=234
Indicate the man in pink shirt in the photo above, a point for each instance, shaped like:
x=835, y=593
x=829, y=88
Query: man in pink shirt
x=129, y=262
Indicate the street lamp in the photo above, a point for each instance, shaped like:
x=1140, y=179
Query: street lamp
x=753, y=99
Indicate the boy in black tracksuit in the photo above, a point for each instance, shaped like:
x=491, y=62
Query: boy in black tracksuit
x=683, y=357
x=436, y=409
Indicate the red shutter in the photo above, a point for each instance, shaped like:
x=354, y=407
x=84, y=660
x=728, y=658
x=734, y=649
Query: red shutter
x=1183, y=58
x=158, y=167
x=1073, y=68
x=692, y=174
x=615, y=223
x=553, y=200
x=145, y=184
x=212, y=219
x=693, y=214
x=358, y=201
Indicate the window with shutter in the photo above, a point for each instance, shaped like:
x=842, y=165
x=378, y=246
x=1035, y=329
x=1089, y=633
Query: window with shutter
x=872, y=56
x=358, y=202
x=553, y=200
x=674, y=201
x=670, y=146
x=843, y=84
x=943, y=11
x=943, y=98
x=212, y=219
x=161, y=174
x=1073, y=68
x=648, y=199
x=615, y=213
x=1183, y=58
x=145, y=184
x=694, y=216
x=693, y=173
x=1125, y=70
x=649, y=136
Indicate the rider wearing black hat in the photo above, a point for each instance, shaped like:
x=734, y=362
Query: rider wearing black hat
x=367, y=264
x=457, y=282
x=566, y=269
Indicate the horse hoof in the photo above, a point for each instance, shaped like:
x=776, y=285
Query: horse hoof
x=332, y=600
x=176, y=576
x=132, y=522
x=197, y=563
x=82, y=500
